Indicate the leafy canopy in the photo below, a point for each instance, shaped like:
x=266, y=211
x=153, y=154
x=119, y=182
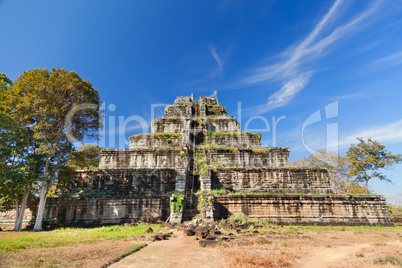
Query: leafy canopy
x=87, y=158
x=367, y=158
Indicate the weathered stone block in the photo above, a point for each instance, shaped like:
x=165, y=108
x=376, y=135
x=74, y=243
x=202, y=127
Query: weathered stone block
x=208, y=243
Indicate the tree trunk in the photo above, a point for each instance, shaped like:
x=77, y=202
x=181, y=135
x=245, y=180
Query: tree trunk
x=43, y=196
x=21, y=210
x=41, y=207
x=17, y=210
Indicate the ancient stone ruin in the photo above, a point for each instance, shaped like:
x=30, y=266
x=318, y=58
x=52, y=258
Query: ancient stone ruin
x=196, y=162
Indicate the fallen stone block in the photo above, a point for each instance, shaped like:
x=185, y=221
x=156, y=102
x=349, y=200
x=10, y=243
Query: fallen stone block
x=202, y=229
x=201, y=234
x=216, y=232
x=210, y=237
x=161, y=236
x=225, y=238
x=155, y=237
x=207, y=243
x=189, y=232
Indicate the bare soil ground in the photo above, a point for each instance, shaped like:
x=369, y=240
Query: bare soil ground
x=273, y=246
x=317, y=247
x=182, y=251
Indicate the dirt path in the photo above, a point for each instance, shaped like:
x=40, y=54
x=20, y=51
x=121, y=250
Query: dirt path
x=330, y=256
x=182, y=251
x=338, y=256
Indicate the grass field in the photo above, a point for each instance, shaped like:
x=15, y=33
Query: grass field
x=71, y=247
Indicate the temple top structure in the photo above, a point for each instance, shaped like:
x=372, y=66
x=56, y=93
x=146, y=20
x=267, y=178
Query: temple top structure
x=187, y=107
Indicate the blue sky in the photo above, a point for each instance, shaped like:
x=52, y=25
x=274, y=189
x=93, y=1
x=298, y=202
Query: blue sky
x=280, y=59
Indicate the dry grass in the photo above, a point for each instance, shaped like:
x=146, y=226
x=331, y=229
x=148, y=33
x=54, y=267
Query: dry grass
x=243, y=258
x=81, y=255
x=324, y=247
x=71, y=247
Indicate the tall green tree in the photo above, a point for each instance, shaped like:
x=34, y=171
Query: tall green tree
x=19, y=162
x=86, y=158
x=20, y=166
x=5, y=82
x=61, y=107
x=367, y=159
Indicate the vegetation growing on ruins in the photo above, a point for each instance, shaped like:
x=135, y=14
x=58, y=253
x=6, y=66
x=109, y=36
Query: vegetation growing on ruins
x=201, y=164
x=260, y=150
x=170, y=135
x=177, y=204
x=224, y=134
x=202, y=201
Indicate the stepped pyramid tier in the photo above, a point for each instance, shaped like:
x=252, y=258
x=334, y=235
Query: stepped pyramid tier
x=196, y=148
x=201, y=143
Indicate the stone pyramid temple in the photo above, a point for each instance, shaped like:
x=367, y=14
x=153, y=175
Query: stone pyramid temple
x=196, y=162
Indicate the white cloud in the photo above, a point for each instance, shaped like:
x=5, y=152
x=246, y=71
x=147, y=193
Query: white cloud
x=213, y=95
x=218, y=60
x=388, y=133
x=290, y=89
x=296, y=62
x=387, y=62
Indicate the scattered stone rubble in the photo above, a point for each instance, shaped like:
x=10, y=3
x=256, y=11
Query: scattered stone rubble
x=234, y=231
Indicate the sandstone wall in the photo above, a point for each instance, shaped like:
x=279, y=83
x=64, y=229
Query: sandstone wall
x=307, y=209
x=108, y=183
x=96, y=211
x=235, y=139
x=272, y=180
x=168, y=125
x=152, y=140
x=141, y=159
x=7, y=218
x=275, y=157
x=177, y=110
x=215, y=110
x=224, y=124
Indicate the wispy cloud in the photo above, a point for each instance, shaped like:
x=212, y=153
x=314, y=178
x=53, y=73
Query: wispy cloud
x=286, y=93
x=294, y=67
x=213, y=95
x=387, y=61
x=218, y=60
x=387, y=133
